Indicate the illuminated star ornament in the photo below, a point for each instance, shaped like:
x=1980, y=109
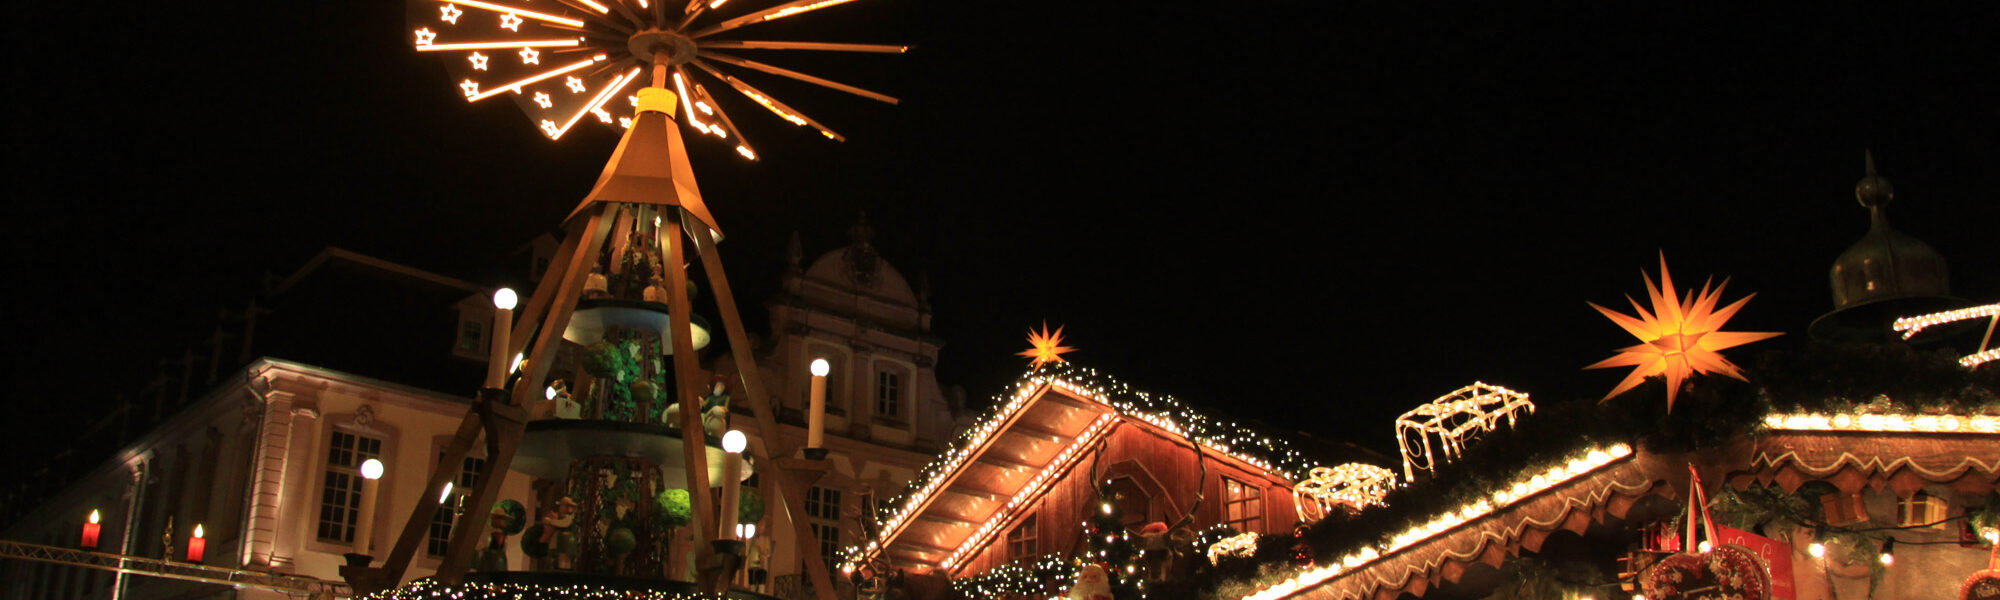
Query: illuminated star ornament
x=599, y=51
x=1682, y=336
x=1047, y=348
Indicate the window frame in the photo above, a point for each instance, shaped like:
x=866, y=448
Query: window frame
x=888, y=393
x=822, y=507
x=1933, y=511
x=1023, y=539
x=1238, y=493
x=446, y=516
x=349, y=476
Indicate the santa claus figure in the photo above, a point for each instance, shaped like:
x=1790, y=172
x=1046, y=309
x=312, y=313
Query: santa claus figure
x=1091, y=584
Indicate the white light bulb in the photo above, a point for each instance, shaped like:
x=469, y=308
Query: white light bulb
x=820, y=368
x=447, y=493
x=505, y=298
x=733, y=442
x=1817, y=550
x=371, y=469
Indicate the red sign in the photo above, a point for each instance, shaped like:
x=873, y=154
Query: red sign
x=1776, y=555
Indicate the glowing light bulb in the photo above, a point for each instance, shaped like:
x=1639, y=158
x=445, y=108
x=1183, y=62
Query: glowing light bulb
x=446, y=495
x=733, y=442
x=505, y=299
x=371, y=469
x=820, y=367
x=1817, y=550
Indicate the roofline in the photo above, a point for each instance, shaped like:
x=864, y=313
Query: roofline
x=140, y=449
x=333, y=253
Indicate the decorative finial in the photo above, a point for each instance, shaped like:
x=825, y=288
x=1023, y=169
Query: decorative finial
x=794, y=251
x=924, y=291
x=861, y=233
x=1873, y=190
x=860, y=254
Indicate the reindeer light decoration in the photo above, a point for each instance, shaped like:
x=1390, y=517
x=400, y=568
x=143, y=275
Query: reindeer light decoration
x=1455, y=419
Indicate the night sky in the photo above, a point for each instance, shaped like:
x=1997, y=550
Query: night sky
x=1313, y=214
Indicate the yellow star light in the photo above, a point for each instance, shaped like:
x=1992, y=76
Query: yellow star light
x=425, y=36
x=1047, y=348
x=531, y=56
x=1682, y=336
x=542, y=98
x=510, y=21
x=470, y=87
x=478, y=61
x=575, y=85
x=449, y=13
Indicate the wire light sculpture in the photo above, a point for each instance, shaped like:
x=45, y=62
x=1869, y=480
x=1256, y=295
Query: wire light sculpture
x=572, y=61
x=1350, y=487
x=1455, y=419
x=1911, y=326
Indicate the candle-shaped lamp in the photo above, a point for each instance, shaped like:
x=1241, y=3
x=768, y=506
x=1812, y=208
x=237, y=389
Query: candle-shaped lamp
x=503, y=327
x=197, y=545
x=816, y=420
x=732, y=480
x=90, y=529
x=364, y=522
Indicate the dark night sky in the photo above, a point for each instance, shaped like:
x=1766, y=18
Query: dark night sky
x=1318, y=214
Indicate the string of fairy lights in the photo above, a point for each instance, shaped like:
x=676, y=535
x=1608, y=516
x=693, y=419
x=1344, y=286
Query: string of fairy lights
x=1162, y=411
x=431, y=589
x=1524, y=486
x=1884, y=423
x=1047, y=576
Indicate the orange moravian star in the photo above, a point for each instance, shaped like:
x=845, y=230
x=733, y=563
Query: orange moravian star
x=1682, y=336
x=1047, y=348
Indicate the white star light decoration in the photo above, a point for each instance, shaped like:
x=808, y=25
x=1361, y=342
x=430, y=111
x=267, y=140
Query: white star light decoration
x=590, y=44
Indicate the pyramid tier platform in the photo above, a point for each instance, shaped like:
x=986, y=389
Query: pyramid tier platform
x=594, y=316
x=549, y=447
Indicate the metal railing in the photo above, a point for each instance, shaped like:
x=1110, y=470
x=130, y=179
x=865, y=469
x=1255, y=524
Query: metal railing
x=152, y=567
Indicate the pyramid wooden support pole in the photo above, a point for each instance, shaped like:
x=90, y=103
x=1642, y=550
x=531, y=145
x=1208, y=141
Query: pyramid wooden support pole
x=788, y=486
x=507, y=422
x=493, y=414
x=538, y=302
x=694, y=440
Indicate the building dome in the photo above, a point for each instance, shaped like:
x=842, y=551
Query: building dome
x=1884, y=271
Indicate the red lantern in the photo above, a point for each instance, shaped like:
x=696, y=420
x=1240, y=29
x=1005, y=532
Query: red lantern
x=90, y=529
x=197, y=545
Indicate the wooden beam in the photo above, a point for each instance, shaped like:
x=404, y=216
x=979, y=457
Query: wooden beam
x=921, y=547
x=975, y=493
x=1025, y=429
x=996, y=461
x=1062, y=398
x=953, y=521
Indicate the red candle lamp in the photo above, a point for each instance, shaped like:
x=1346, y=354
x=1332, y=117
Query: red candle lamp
x=197, y=545
x=90, y=530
